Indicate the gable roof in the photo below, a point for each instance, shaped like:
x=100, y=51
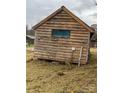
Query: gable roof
x=69, y=13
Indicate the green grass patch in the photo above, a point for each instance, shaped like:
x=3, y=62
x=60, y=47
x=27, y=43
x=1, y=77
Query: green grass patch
x=29, y=45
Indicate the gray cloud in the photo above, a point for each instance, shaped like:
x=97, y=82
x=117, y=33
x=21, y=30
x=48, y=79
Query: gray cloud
x=84, y=5
x=36, y=10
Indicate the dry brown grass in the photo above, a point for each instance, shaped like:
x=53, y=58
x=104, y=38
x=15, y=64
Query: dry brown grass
x=29, y=54
x=45, y=77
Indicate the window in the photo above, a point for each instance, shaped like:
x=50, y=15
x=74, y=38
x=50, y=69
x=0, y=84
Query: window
x=59, y=33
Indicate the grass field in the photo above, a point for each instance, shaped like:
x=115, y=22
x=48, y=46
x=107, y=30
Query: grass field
x=46, y=77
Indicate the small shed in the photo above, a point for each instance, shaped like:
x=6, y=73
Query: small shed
x=93, y=42
x=62, y=37
x=30, y=39
x=93, y=36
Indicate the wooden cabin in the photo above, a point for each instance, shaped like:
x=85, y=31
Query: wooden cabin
x=62, y=37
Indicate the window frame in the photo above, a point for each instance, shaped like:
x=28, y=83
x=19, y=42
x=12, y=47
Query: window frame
x=65, y=37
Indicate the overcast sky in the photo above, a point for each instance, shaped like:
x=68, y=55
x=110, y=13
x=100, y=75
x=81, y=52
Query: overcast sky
x=36, y=10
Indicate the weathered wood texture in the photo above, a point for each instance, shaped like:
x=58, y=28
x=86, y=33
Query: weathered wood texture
x=60, y=49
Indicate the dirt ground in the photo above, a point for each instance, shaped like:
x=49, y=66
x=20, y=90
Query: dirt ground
x=47, y=77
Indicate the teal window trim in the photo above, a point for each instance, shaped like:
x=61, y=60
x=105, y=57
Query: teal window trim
x=60, y=33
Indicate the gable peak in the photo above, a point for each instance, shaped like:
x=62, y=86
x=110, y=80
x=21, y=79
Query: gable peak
x=62, y=6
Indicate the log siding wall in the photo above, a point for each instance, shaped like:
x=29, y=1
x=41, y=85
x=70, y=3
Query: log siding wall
x=60, y=49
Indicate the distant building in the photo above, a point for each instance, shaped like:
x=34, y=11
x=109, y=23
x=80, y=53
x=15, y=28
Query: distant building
x=30, y=36
x=30, y=39
x=93, y=37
